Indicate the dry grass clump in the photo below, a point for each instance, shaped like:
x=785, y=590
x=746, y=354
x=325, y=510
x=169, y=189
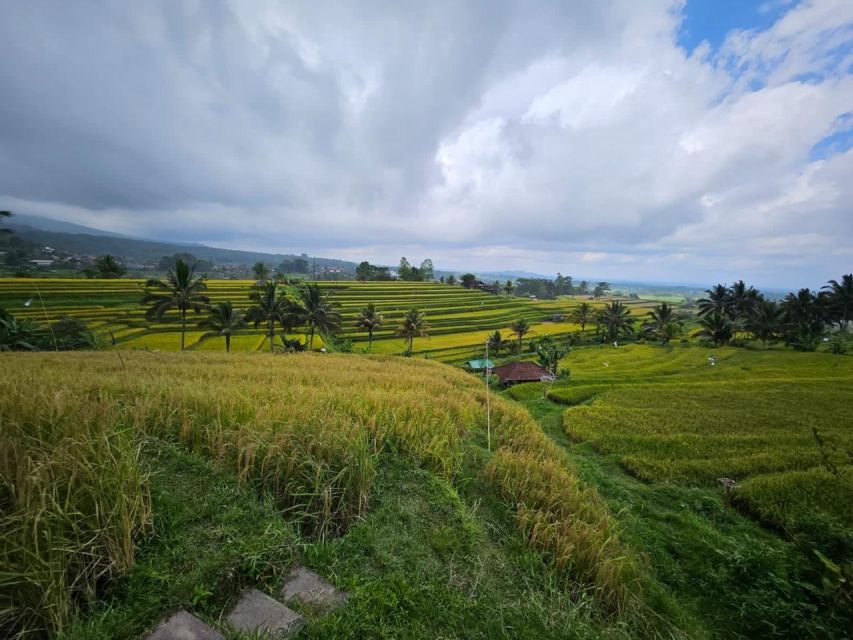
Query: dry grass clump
x=559, y=515
x=73, y=498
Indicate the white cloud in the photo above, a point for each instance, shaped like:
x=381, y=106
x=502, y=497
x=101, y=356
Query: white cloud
x=551, y=136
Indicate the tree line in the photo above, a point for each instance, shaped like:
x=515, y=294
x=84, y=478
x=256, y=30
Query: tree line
x=275, y=305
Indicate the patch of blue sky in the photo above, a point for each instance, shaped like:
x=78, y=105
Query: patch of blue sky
x=839, y=141
x=712, y=20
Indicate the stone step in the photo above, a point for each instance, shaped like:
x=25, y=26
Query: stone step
x=184, y=626
x=256, y=611
x=309, y=588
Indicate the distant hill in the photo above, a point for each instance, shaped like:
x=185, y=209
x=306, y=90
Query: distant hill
x=26, y=221
x=78, y=239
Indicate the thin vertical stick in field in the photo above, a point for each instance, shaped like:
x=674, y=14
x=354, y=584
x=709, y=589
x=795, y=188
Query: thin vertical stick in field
x=488, y=408
x=46, y=317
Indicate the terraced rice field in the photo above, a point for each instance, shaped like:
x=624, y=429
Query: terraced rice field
x=73, y=426
x=670, y=416
x=459, y=319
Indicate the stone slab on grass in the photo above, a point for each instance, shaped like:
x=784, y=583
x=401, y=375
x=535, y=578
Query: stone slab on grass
x=256, y=611
x=307, y=587
x=184, y=626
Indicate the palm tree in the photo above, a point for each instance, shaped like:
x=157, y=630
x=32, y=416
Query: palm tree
x=508, y=287
x=742, y=300
x=520, y=328
x=765, y=321
x=582, y=314
x=616, y=320
x=223, y=320
x=838, y=297
x=106, y=267
x=369, y=319
x=718, y=301
x=804, y=319
x=662, y=323
x=316, y=310
x=717, y=327
x=180, y=290
x=496, y=343
x=269, y=306
x=413, y=324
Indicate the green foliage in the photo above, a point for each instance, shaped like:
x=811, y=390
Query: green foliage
x=549, y=353
x=69, y=334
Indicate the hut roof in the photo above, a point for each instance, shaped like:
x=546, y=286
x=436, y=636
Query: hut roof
x=522, y=372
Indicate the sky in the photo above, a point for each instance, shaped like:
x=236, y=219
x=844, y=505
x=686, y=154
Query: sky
x=662, y=140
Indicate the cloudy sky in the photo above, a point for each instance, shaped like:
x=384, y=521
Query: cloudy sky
x=657, y=140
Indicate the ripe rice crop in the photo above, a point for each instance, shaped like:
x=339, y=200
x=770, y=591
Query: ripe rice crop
x=670, y=416
x=307, y=428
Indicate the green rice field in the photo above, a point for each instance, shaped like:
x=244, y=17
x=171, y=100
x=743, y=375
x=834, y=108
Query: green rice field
x=459, y=319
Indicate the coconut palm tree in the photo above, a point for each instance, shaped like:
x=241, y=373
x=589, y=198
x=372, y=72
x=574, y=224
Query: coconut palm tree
x=520, y=328
x=369, y=319
x=316, y=310
x=269, y=306
x=718, y=301
x=662, y=323
x=765, y=321
x=717, y=327
x=582, y=314
x=508, y=287
x=106, y=267
x=742, y=300
x=838, y=299
x=413, y=324
x=223, y=320
x=616, y=319
x=180, y=290
x=496, y=343
x=804, y=319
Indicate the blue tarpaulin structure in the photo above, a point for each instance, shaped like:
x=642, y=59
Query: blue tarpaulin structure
x=479, y=365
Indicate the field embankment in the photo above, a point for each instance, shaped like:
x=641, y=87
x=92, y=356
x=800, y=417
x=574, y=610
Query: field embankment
x=307, y=430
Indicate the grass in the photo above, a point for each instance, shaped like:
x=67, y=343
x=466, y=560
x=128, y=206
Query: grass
x=283, y=426
x=731, y=576
x=669, y=416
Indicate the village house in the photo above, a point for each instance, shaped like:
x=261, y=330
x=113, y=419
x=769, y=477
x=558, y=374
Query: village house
x=516, y=372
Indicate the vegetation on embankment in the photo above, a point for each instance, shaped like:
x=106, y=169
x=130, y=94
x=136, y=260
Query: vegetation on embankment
x=652, y=428
x=307, y=430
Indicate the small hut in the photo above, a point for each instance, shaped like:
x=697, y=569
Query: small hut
x=516, y=372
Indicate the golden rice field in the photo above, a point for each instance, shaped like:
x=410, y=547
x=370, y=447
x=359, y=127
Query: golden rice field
x=308, y=429
x=459, y=319
x=671, y=416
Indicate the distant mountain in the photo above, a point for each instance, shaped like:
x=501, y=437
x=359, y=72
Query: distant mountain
x=81, y=240
x=23, y=220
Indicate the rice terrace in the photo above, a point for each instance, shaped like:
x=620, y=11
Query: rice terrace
x=607, y=396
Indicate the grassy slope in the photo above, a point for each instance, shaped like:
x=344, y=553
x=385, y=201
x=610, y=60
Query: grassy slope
x=423, y=564
x=283, y=426
x=738, y=578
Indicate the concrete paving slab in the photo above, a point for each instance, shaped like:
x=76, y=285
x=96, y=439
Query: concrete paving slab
x=184, y=626
x=256, y=611
x=306, y=586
